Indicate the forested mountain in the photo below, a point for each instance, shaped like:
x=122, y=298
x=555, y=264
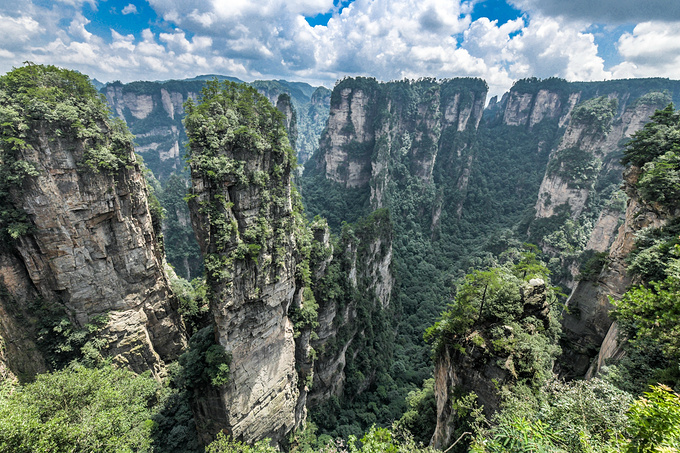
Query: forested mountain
x=154, y=112
x=476, y=278
x=467, y=186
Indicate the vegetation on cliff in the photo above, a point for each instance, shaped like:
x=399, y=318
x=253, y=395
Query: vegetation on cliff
x=500, y=318
x=36, y=97
x=649, y=313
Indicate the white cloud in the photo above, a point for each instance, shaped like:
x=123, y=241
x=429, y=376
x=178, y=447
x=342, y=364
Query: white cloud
x=129, y=9
x=122, y=42
x=177, y=41
x=652, y=50
x=77, y=27
x=387, y=39
x=549, y=48
x=18, y=29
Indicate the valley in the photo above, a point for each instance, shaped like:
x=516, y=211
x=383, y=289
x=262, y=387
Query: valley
x=398, y=262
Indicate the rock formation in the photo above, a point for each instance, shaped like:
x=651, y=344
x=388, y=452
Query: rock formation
x=484, y=364
x=363, y=269
x=589, y=331
x=88, y=248
x=248, y=228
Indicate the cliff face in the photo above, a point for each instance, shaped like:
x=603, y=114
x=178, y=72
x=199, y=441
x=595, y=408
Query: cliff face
x=349, y=319
x=483, y=364
x=312, y=119
x=372, y=126
x=566, y=183
x=90, y=248
x=248, y=230
x=285, y=106
x=589, y=332
x=153, y=111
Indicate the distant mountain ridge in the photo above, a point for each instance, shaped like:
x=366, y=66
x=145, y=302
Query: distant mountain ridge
x=154, y=111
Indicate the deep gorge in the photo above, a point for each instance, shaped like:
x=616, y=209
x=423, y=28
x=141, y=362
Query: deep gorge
x=321, y=279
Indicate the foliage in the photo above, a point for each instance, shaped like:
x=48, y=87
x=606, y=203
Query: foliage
x=224, y=444
x=78, y=410
x=174, y=427
x=490, y=297
x=654, y=248
x=592, y=264
x=64, y=103
x=232, y=117
x=655, y=422
x=576, y=166
x=652, y=312
x=421, y=417
x=193, y=300
x=519, y=435
x=660, y=180
x=204, y=362
x=62, y=341
x=588, y=415
x=596, y=114
x=383, y=440
x=658, y=137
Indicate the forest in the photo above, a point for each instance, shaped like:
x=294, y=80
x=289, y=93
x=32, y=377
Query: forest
x=479, y=290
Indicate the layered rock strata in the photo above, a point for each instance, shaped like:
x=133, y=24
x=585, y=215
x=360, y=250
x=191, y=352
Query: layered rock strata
x=244, y=218
x=90, y=249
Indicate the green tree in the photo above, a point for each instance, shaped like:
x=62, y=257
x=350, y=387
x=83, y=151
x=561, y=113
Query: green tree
x=78, y=410
x=651, y=312
x=655, y=422
x=659, y=136
x=224, y=444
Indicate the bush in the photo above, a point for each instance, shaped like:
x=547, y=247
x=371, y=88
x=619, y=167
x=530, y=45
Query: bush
x=78, y=410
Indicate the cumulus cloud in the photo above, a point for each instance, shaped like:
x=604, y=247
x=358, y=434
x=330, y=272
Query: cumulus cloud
x=77, y=28
x=651, y=50
x=388, y=39
x=547, y=48
x=19, y=29
x=129, y=9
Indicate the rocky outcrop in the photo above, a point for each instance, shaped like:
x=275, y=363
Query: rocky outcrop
x=90, y=248
x=588, y=329
x=363, y=269
x=249, y=230
x=311, y=123
x=153, y=111
x=568, y=182
x=373, y=127
x=285, y=105
x=475, y=365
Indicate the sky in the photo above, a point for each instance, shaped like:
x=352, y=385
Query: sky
x=321, y=41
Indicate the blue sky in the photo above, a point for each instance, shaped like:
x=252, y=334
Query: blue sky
x=320, y=41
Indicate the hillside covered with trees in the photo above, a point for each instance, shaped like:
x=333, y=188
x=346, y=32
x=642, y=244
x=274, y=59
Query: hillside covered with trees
x=419, y=287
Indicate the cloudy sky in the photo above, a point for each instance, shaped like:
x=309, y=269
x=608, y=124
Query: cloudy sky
x=320, y=41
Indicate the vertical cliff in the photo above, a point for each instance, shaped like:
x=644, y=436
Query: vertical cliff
x=497, y=338
x=374, y=126
x=354, y=293
x=154, y=111
x=312, y=120
x=79, y=247
x=580, y=205
x=251, y=234
x=285, y=105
